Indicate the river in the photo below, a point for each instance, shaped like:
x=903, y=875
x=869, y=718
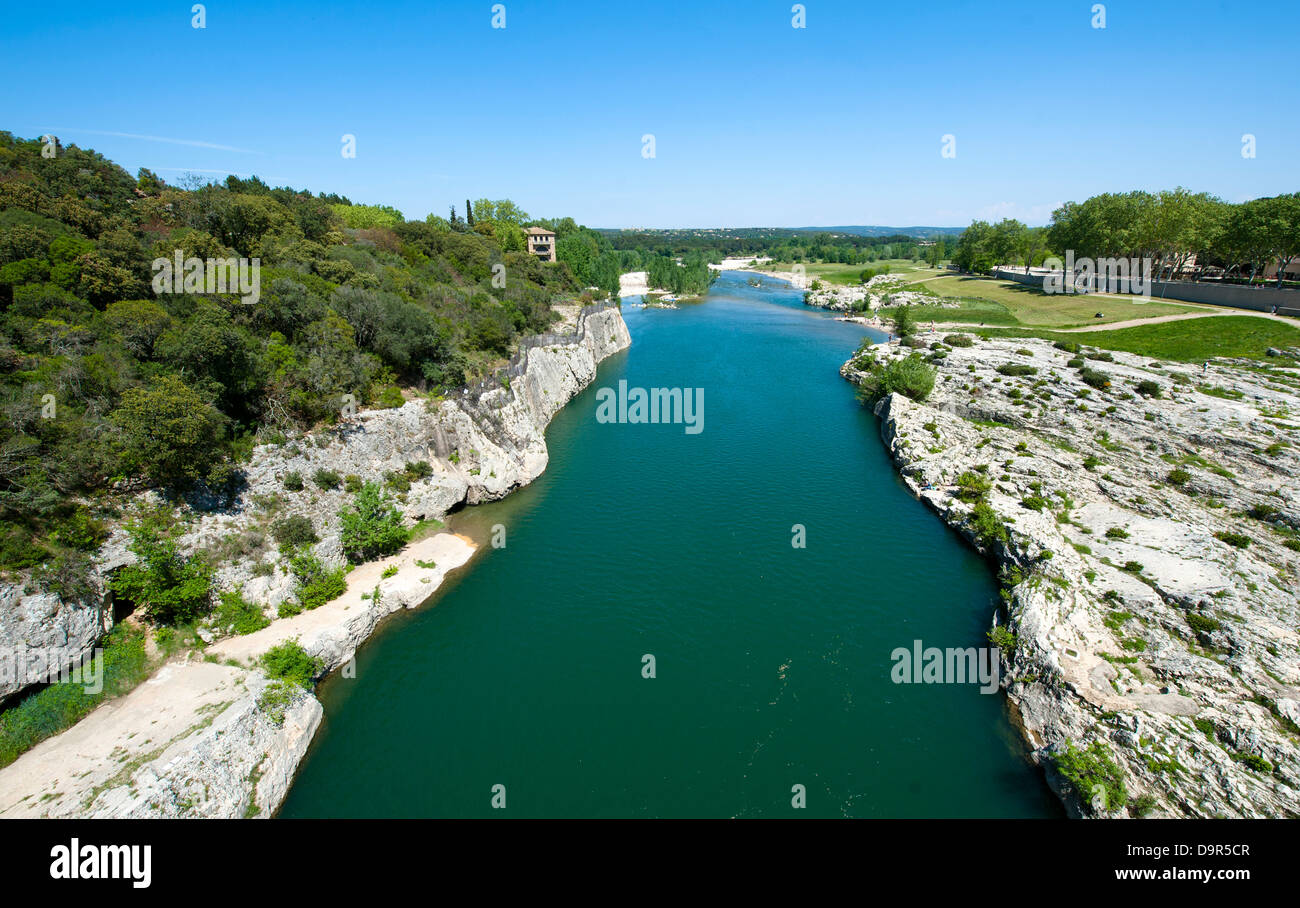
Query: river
x=772, y=663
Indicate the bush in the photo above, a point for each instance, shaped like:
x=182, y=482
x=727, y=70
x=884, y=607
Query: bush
x=1016, y=369
x=167, y=587
x=959, y=340
x=326, y=479
x=1116, y=533
x=1093, y=771
x=371, y=526
x=1178, y=477
x=1236, y=540
x=1202, y=624
x=418, y=469
x=290, y=662
x=294, y=532
x=972, y=487
x=1095, y=378
x=1003, y=638
x=1033, y=502
x=1149, y=388
x=316, y=586
x=988, y=526
x=293, y=481
x=1067, y=346
x=1256, y=762
x=912, y=377
x=352, y=483
x=1075, y=363
x=236, y=615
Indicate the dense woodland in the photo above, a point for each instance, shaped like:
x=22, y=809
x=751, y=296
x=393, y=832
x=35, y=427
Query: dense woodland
x=105, y=384
x=796, y=246
x=1170, y=227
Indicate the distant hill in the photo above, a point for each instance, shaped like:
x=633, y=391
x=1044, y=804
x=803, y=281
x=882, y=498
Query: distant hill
x=873, y=230
x=770, y=232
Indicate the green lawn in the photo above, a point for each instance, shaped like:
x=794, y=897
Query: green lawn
x=995, y=302
x=1189, y=341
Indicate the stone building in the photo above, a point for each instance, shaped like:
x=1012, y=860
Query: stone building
x=541, y=243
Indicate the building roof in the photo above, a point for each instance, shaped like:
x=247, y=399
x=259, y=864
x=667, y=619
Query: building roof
x=539, y=231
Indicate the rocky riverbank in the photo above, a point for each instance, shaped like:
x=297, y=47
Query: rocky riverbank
x=201, y=737
x=1145, y=518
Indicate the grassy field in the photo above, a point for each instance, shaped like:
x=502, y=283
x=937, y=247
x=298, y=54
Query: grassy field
x=1008, y=303
x=1189, y=341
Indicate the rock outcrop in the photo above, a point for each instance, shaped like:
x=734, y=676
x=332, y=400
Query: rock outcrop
x=1144, y=515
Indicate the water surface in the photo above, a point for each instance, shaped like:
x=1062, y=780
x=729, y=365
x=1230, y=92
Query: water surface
x=773, y=663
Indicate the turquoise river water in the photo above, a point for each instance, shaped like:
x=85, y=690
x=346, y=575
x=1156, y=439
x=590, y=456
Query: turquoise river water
x=772, y=663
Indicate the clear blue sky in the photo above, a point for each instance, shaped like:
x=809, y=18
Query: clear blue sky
x=756, y=122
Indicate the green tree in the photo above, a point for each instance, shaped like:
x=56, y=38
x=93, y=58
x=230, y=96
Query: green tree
x=168, y=587
x=168, y=433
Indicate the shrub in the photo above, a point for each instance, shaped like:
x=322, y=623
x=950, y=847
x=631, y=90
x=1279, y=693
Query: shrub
x=352, y=483
x=294, y=532
x=289, y=662
x=1091, y=462
x=1236, y=540
x=1094, y=378
x=959, y=340
x=1067, y=346
x=972, y=487
x=986, y=523
x=418, y=469
x=1092, y=771
x=168, y=588
x=1256, y=762
x=390, y=398
x=1033, y=502
x=371, y=526
x=293, y=481
x=236, y=615
x=1116, y=533
x=316, y=586
x=326, y=479
x=1016, y=369
x=1178, y=477
x=1263, y=511
x=1202, y=624
x=1075, y=363
x=1003, y=638
x=912, y=377
x=1134, y=567
x=1148, y=388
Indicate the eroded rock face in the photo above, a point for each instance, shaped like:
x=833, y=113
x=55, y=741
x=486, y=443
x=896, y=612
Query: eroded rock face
x=481, y=445
x=1155, y=611
x=42, y=635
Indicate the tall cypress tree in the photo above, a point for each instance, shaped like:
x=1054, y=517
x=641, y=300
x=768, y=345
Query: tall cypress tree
x=469, y=213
